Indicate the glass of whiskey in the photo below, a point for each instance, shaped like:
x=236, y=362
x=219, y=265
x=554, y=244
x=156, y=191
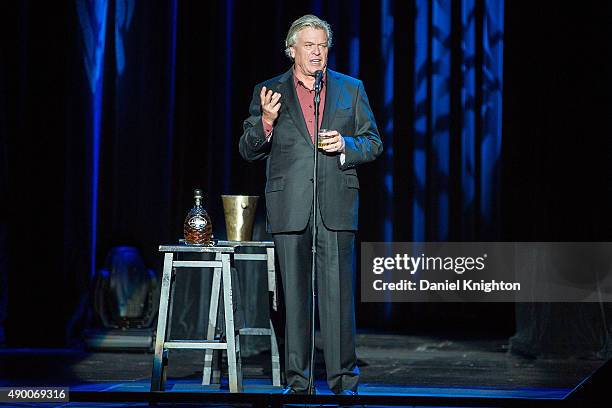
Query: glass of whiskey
x=323, y=138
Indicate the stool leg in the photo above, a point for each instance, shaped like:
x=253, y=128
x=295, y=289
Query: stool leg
x=171, y=305
x=238, y=360
x=158, y=374
x=233, y=358
x=217, y=364
x=212, y=327
x=164, y=368
x=271, y=269
x=276, y=380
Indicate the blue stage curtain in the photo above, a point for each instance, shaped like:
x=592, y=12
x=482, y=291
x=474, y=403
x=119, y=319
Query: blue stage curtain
x=83, y=184
x=125, y=123
x=458, y=68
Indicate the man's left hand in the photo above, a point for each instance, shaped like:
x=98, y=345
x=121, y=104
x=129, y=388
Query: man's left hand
x=335, y=143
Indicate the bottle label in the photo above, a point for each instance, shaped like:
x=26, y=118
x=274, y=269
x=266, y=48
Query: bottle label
x=197, y=222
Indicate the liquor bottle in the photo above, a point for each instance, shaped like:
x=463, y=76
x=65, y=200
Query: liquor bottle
x=197, y=227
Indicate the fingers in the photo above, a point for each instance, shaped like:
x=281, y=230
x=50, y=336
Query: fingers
x=275, y=106
x=275, y=98
x=335, y=143
x=267, y=96
x=270, y=104
x=264, y=96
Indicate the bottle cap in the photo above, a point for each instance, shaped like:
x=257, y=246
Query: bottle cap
x=197, y=193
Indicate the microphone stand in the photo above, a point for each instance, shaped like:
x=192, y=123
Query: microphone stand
x=315, y=206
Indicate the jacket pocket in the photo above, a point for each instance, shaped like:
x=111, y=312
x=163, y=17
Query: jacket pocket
x=344, y=111
x=275, y=184
x=351, y=181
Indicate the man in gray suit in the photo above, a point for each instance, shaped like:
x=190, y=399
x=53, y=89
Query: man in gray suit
x=280, y=129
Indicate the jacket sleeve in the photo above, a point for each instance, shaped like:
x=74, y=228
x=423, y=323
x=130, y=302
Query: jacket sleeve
x=253, y=144
x=365, y=145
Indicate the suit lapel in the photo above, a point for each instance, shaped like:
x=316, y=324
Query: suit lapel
x=331, y=98
x=287, y=89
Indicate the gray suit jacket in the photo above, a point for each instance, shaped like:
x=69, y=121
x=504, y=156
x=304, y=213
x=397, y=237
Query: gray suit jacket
x=289, y=154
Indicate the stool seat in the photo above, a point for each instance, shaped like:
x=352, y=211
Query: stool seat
x=195, y=344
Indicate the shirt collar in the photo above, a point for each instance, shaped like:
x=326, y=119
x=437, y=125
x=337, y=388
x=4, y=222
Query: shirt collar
x=297, y=82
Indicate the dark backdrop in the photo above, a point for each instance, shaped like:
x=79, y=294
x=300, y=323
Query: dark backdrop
x=98, y=151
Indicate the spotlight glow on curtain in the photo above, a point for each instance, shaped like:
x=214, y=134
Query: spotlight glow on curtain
x=468, y=103
x=491, y=109
x=440, y=77
x=92, y=17
x=477, y=131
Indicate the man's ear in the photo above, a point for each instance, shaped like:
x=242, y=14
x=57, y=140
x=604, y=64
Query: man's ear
x=292, y=52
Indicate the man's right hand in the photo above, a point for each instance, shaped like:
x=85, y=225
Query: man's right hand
x=269, y=105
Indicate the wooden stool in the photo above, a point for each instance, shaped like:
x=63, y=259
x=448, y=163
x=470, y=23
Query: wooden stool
x=267, y=255
x=224, y=259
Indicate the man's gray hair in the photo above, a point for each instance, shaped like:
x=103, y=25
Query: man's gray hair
x=303, y=22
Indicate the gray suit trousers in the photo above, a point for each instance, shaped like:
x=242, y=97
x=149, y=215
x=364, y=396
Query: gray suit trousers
x=335, y=296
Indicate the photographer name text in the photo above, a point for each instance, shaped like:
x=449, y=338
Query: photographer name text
x=469, y=285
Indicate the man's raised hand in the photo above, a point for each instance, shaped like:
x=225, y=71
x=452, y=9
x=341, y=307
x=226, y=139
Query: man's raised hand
x=270, y=105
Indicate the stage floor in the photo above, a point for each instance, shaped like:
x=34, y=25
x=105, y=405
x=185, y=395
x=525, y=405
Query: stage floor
x=391, y=365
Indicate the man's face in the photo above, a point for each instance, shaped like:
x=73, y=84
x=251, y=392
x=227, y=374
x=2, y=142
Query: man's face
x=310, y=51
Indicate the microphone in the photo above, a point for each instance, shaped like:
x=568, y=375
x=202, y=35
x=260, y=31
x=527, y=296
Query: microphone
x=318, y=81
